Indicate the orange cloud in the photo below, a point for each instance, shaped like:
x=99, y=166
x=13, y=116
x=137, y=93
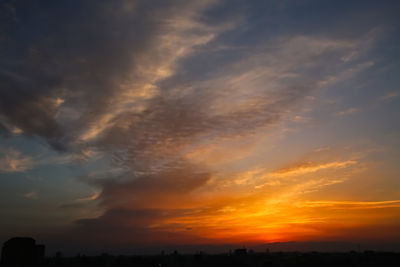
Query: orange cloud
x=310, y=167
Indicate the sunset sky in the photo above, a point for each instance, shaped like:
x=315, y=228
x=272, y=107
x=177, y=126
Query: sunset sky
x=148, y=123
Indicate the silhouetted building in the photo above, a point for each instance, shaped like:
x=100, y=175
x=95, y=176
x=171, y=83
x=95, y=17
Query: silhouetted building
x=22, y=252
x=240, y=251
x=40, y=251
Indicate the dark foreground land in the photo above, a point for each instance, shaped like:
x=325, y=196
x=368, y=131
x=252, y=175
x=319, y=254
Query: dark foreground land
x=24, y=252
x=368, y=258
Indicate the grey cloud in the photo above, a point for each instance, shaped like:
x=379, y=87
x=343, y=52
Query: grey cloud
x=132, y=227
x=82, y=55
x=4, y=130
x=134, y=206
x=26, y=102
x=153, y=190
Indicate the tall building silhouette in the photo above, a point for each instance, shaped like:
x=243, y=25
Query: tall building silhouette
x=22, y=252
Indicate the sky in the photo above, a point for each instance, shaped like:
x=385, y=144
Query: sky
x=143, y=124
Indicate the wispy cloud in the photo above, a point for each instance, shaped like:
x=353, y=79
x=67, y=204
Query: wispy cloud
x=389, y=96
x=351, y=204
x=349, y=111
x=31, y=195
x=12, y=160
x=310, y=167
x=89, y=198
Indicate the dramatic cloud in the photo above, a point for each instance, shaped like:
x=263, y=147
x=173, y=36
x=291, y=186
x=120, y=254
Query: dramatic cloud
x=101, y=58
x=164, y=111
